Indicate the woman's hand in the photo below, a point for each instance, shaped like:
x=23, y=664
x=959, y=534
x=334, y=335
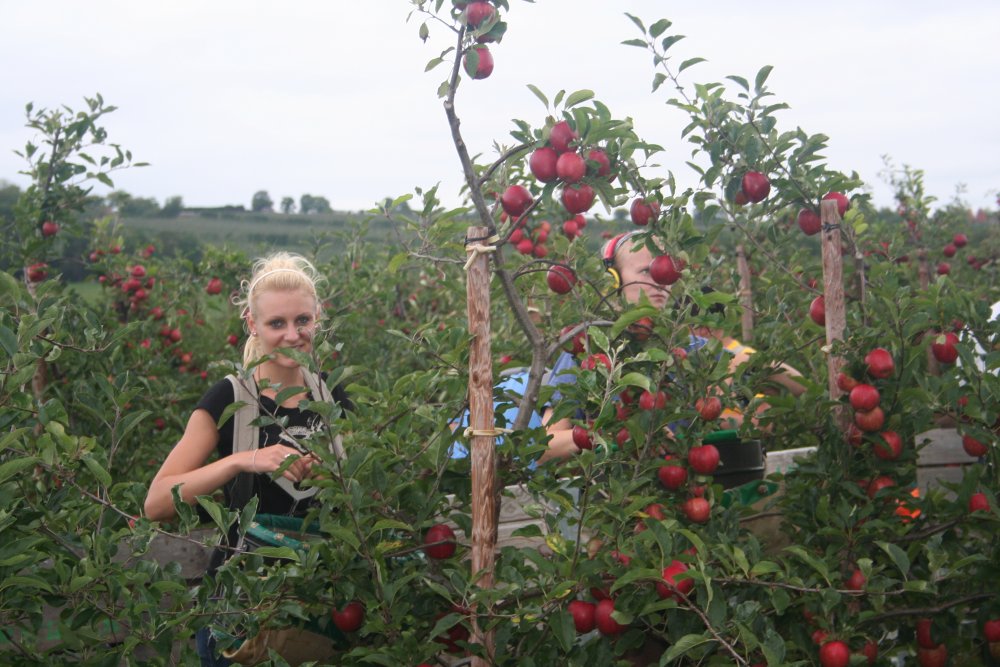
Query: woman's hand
x=270, y=458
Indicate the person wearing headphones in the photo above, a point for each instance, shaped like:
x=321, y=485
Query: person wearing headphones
x=628, y=259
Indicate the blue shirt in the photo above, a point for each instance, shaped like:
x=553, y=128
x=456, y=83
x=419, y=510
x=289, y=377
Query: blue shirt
x=512, y=387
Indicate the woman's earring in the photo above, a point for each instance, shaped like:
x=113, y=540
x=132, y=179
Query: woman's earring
x=253, y=333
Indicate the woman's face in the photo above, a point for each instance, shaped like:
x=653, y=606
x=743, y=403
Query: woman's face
x=284, y=319
x=633, y=262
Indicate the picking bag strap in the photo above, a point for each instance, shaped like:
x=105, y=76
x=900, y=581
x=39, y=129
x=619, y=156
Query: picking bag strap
x=246, y=437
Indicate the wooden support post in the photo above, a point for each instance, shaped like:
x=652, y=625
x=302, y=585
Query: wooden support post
x=746, y=294
x=482, y=447
x=833, y=289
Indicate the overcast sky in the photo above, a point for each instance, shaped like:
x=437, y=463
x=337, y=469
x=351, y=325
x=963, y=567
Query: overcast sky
x=330, y=97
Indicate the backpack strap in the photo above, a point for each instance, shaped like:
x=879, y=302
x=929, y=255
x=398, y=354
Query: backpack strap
x=245, y=438
x=320, y=392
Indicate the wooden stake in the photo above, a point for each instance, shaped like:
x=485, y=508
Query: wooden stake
x=833, y=289
x=483, y=448
x=746, y=294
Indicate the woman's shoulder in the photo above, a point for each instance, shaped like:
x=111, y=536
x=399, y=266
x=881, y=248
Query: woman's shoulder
x=217, y=397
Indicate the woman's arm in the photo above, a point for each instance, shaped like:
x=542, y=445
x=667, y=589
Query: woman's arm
x=185, y=466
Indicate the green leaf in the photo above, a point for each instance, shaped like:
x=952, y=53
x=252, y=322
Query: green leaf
x=670, y=41
x=810, y=560
x=897, y=555
x=762, y=75
x=636, y=380
x=578, y=97
x=24, y=582
x=389, y=524
x=278, y=552
x=659, y=28
x=636, y=21
x=764, y=567
x=740, y=80
x=538, y=93
x=635, y=42
x=563, y=629
x=682, y=646
x=688, y=63
x=97, y=470
x=214, y=511
x=14, y=467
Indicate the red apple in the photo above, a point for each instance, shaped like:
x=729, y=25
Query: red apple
x=864, y=397
x=672, y=586
x=583, y=614
x=590, y=363
x=991, y=630
x=855, y=435
x=703, y=459
x=642, y=212
x=570, y=167
x=933, y=657
x=515, y=200
x=577, y=344
x=601, y=158
x=870, y=421
x=870, y=651
x=672, y=476
x=525, y=247
x=664, y=271
x=834, y=654
x=484, y=62
x=709, y=408
x=138, y=271
x=978, y=502
x=543, y=164
x=214, y=286
x=943, y=348
x=960, y=240
x=602, y=618
x=943, y=268
x=561, y=136
x=232, y=339
x=973, y=447
x=879, y=483
x=50, y=228
x=560, y=279
x=856, y=582
x=817, y=310
x=571, y=229
x=350, y=617
x=755, y=186
x=578, y=198
x=439, y=541
x=809, y=222
x=697, y=509
x=845, y=382
x=582, y=438
x=652, y=401
x=843, y=203
x=888, y=446
x=880, y=364
x=949, y=250
x=927, y=636
x=478, y=13
x=37, y=272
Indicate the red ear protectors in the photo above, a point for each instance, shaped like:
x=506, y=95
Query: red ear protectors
x=608, y=256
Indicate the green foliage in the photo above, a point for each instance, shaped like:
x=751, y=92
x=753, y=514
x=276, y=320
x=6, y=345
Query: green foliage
x=95, y=391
